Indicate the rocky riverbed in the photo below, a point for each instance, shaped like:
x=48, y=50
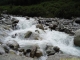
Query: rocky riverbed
x=27, y=41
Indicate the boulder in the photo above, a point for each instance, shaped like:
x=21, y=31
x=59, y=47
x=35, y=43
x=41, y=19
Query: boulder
x=38, y=53
x=77, y=38
x=13, y=44
x=49, y=50
x=40, y=26
x=77, y=20
x=56, y=49
x=28, y=34
x=14, y=21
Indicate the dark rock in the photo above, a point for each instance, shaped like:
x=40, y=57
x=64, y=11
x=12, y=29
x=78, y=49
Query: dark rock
x=77, y=20
x=28, y=50
x=28, y=34
x=56, y=49
x=13, y=44
x=49, y=50
x=38, y=53
x=14, y=21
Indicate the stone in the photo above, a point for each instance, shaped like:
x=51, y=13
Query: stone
x=56, y=49
x=13, y=44
x=49, y=50
x=77, y=38
x=77, y=20
x=28, y=34
x=14, y=20
x=40, y=26
x=38, y=53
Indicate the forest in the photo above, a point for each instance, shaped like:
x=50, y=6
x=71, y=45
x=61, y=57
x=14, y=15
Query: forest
x=43, y=8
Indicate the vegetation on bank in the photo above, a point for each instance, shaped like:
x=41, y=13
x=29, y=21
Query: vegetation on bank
x=48, y=8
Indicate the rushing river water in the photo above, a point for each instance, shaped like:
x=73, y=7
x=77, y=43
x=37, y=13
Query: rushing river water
x=56, y=38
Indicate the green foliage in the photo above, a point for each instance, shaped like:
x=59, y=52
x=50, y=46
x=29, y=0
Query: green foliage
x=44, y=8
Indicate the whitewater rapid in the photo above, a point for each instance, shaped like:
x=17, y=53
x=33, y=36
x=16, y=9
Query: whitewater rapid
x=56, y=38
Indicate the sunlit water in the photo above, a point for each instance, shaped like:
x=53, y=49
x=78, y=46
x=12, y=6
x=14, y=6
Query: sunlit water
x=56, y=38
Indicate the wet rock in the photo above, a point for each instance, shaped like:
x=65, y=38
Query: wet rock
x=77, y=38
x=40, y=26
x=38, y=53
x=56, y=49
x=49, y=50
x=13, y=44
x=14, y=21
x=27, y=52
x=28, y=34
x=2, y=51
x=77, y=20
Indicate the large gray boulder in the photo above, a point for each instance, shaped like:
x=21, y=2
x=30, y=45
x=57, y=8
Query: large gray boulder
x=77, y=38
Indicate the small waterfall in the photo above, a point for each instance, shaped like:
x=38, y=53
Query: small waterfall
x=56, y=38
